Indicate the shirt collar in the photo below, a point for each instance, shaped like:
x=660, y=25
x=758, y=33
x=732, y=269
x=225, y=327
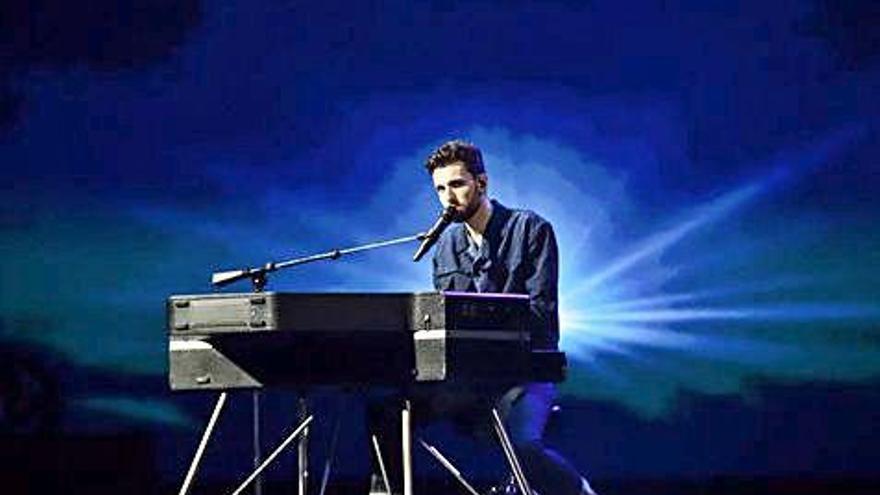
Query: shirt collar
x=492, y=235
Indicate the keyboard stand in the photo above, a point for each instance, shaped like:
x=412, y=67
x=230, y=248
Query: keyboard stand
x=209, y=429
x=200, y=451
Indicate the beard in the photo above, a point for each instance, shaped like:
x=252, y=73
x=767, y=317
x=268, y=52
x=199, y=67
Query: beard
x=465, y=214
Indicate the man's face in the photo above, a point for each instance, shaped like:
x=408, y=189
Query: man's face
x=457, y=187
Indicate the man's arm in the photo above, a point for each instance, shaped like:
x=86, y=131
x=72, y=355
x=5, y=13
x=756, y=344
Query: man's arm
x=542, y=285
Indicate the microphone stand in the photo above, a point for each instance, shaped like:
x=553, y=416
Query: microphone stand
x=259, y=279
x=258, y=276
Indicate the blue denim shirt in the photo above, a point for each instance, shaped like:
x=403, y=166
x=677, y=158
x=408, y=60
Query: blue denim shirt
x=518, y=255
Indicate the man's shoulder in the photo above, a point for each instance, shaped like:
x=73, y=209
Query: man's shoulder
x=527, y=218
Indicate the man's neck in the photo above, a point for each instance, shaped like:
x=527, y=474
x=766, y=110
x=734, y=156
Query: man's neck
x=477, y=223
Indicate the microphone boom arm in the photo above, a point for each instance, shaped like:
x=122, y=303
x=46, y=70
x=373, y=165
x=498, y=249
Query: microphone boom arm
x=258, y=275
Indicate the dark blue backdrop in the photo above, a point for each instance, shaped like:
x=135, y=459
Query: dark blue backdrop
x=711, y=170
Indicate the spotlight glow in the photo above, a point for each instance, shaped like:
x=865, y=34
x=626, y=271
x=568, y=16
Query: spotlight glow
x=717, y=296
x=673, y=302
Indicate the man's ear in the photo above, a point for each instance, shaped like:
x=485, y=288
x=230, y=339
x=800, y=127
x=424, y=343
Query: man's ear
x=483, y=182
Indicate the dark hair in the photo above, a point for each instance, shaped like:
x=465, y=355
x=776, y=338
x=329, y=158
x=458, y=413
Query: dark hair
x=457, y=151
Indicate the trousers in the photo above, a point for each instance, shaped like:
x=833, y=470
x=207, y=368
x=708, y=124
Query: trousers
x=524, y=410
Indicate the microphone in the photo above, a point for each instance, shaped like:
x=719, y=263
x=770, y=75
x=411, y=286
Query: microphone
x=431, y=236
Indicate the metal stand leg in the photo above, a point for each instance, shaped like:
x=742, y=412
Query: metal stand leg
x=302, y=426
x=332, y=454
x=257, y=443
x=449, y=467
x=406, y=438
x=381, y=462
x=515, y=467
x=200, y=451
x=302, y=450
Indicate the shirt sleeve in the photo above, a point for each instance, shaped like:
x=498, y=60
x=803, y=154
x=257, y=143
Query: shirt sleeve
x=434, y=278
x=542, y=285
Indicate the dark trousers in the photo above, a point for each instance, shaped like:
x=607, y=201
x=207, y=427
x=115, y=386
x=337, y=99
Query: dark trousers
x=524, y=410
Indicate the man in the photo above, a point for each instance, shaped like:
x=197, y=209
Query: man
x=492, y=248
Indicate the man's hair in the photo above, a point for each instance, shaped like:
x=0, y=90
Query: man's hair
x=457, y=151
